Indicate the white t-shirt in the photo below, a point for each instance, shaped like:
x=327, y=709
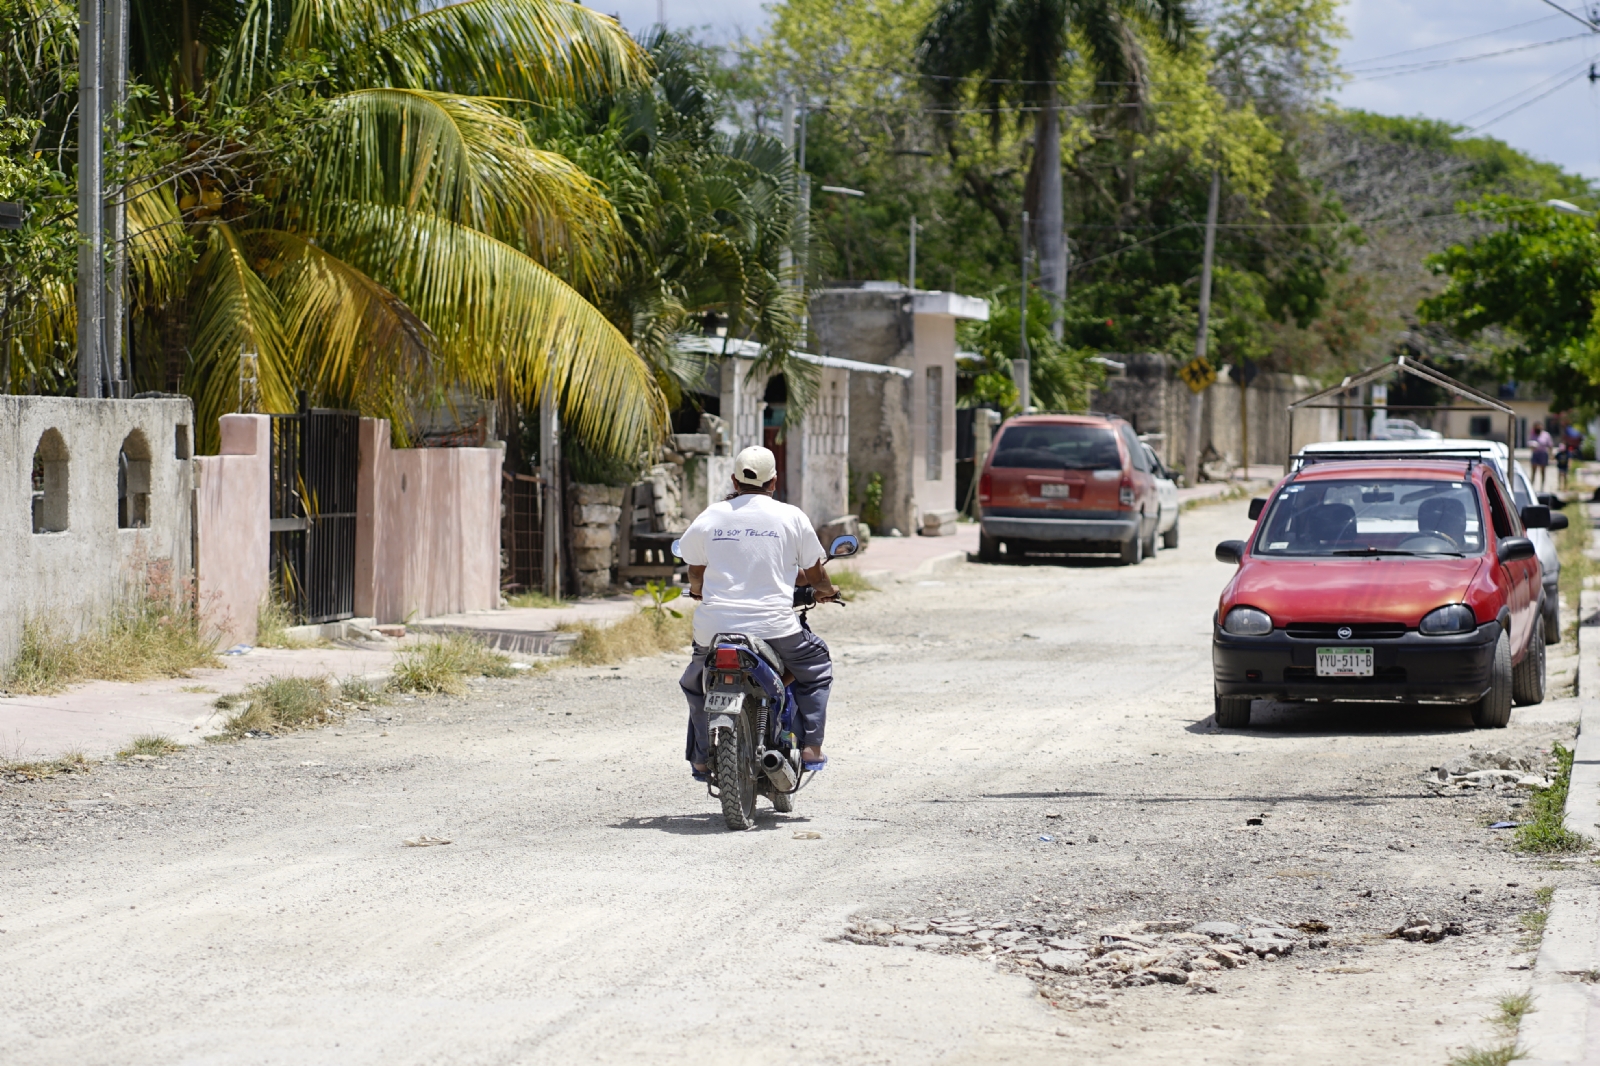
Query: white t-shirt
x=751, y=547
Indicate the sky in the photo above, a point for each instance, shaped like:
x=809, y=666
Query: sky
x=1404, y=57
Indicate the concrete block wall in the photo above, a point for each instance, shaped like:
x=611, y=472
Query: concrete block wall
x=595, y=512
x=818, y=454
x=232, y=514
x=82, y=562
x=427, y=529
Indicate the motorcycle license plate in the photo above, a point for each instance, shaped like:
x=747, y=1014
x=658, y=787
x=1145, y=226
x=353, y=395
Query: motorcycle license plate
x=725, y=703
x=1055, y=492
x=1344, y=662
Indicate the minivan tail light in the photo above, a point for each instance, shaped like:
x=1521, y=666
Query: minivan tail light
x=985, y=487
x=727, y=658
x=1125, y=493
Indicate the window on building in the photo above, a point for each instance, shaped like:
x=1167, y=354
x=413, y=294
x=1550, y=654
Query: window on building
x=935, y=423
x=133, y=482
x=50, y=474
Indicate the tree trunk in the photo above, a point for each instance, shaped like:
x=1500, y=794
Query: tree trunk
x=1051, y=238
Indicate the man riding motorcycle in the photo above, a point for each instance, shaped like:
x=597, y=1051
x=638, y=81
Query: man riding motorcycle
x=743, y=555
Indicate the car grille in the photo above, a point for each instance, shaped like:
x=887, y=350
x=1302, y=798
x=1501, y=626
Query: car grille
x=1309, y=673
x=1330, y=631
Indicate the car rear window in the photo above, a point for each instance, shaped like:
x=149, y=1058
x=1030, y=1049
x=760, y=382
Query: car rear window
x=1070, y=446
x=1377, y=516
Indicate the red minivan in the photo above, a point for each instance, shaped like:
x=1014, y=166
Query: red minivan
x=1408, y=580
x=1067, y=483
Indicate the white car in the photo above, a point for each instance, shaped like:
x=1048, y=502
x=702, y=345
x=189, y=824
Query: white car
x=1392, y=429
x=1166, y=499
x=1515, y=476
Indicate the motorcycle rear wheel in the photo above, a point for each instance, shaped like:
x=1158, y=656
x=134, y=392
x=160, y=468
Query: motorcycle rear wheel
x=736, y=776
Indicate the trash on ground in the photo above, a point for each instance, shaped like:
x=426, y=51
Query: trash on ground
x=425, y=842
x=239, y=649
x=808, y=834
x=1504, y=825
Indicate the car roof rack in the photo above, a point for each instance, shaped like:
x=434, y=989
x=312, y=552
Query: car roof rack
x=1469, y=455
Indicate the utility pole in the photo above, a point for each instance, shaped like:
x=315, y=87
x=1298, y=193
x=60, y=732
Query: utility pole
x=550, y=487
x=1191, y=466
x=91, y=201
x=114, y=87
x=1020, y=366
x=912, y=272
x=786, y=134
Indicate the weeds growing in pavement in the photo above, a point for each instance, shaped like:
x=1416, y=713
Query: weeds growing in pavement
x=1512, y=1010
x=444, y=665
x=1494, y=1056
x=629, y=638
x=1546, y=831
x=278, y=705
x=274, y=618
x=150, y=744
x=531, y=598
x=73, y=762
x=850, y=583
x=155, y=632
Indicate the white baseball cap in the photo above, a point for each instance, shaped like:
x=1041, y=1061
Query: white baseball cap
x=755, y=466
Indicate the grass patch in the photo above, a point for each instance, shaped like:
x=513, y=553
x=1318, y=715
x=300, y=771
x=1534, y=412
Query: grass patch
x=1546, y=832
x=150, y=744
x=359, y=690
x=147, y=637
x=278, y=705
x=1494, y=1056
x=1571, y=544
x=850, y=583
x=534, y=599
x=1512, y=1010
x=274, y=619
x=632, y=637
x=1235, y=491
x=444, y=665
x=1534, y=921
x=1508, y=1018
x=73, y=762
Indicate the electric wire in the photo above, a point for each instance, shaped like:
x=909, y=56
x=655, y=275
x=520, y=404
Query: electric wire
x=1564, y=73
x=1401, y=70
x=1536, y=99
x=1448, y=44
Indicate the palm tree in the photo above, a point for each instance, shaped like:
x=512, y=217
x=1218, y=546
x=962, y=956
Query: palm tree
x=1016, y=54
x=347, y=189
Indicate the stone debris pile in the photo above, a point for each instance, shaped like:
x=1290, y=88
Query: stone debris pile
x=1425, y=930
x=1073, y=966
x=1496, y=771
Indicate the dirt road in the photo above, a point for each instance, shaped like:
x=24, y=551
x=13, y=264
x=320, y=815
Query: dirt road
x=253, y=903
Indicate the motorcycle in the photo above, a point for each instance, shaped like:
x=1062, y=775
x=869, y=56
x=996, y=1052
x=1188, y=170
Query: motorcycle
x=752, y=717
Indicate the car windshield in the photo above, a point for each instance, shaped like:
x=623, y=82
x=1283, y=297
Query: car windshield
x=1376, y=516
x=1072, y=446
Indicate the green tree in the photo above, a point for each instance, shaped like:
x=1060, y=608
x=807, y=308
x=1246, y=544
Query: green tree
x=1534, y=281
x=1015, y=54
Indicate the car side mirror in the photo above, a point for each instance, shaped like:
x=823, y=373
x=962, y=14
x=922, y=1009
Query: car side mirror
x=1551, y=500
x=1230, y=551
x=1558, y=521
x=843, y=546
x=1513, y=548
x=1536, y=516
x=1257, y=505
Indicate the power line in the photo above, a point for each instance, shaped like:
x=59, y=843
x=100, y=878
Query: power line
x=1570, y=15
x=1402, y=69
x=1536, y=99
x=1447, y=44
x=1564, y=73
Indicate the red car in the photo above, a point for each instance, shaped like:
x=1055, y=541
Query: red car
x=1067, y=483
x=1397, y=579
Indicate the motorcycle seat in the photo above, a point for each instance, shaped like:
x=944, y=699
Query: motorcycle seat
x=755, y=644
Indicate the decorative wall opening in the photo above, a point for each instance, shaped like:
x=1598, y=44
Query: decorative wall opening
x=935, y=416
x=50, y=473
x=133, y=482
x=183, y=447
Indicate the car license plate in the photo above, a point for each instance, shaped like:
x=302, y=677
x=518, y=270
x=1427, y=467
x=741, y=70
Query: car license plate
x=1344, y=662
x=1055, y=492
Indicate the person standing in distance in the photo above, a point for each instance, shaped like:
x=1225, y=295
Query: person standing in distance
x=743, y=554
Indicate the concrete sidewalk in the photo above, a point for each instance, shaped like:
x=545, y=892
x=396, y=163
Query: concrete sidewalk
x=531, y=630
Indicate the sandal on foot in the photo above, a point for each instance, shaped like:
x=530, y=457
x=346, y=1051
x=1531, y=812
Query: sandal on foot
x=815, y=766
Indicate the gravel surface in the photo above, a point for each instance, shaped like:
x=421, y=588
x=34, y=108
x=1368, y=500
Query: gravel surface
x=1032, y=846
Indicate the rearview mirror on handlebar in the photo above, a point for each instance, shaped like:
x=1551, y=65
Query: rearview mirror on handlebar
x=677, y=549
x=843, y=546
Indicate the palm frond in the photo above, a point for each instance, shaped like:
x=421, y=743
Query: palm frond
x=544, y=50
x=237, y=313
x=501, y=318
x=463, y=159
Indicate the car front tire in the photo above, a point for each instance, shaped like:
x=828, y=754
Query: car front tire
x=1233, y=712
x=1493, y=711
x=1169, y=539
x=1552, y=619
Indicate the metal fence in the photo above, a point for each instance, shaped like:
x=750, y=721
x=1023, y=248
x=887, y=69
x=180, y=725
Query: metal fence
x=315, y=462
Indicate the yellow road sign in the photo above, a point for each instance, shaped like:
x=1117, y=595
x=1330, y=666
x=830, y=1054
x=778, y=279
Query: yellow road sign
x=1198, y=374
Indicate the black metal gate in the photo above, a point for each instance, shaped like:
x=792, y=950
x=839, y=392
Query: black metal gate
x=315, y=461
x=522, y=529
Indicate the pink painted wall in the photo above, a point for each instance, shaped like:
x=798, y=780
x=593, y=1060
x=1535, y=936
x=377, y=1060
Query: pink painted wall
x=232, y=515
x=427, y=529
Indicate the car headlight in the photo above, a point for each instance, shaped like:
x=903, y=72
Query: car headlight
x=1248, y=622
x=1454, y=618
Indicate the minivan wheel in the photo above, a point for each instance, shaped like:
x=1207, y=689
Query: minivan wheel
x=1169, y=539
x=1150, y=542
x=1132, y=550
x=1494, y=710
x=1233, y=712
x=988, y=548
x=1527, y=679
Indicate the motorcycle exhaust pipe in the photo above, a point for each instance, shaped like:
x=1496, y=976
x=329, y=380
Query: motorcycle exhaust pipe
x=779, y=770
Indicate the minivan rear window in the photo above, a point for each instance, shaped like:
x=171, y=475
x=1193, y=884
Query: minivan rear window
x=1069, y=446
